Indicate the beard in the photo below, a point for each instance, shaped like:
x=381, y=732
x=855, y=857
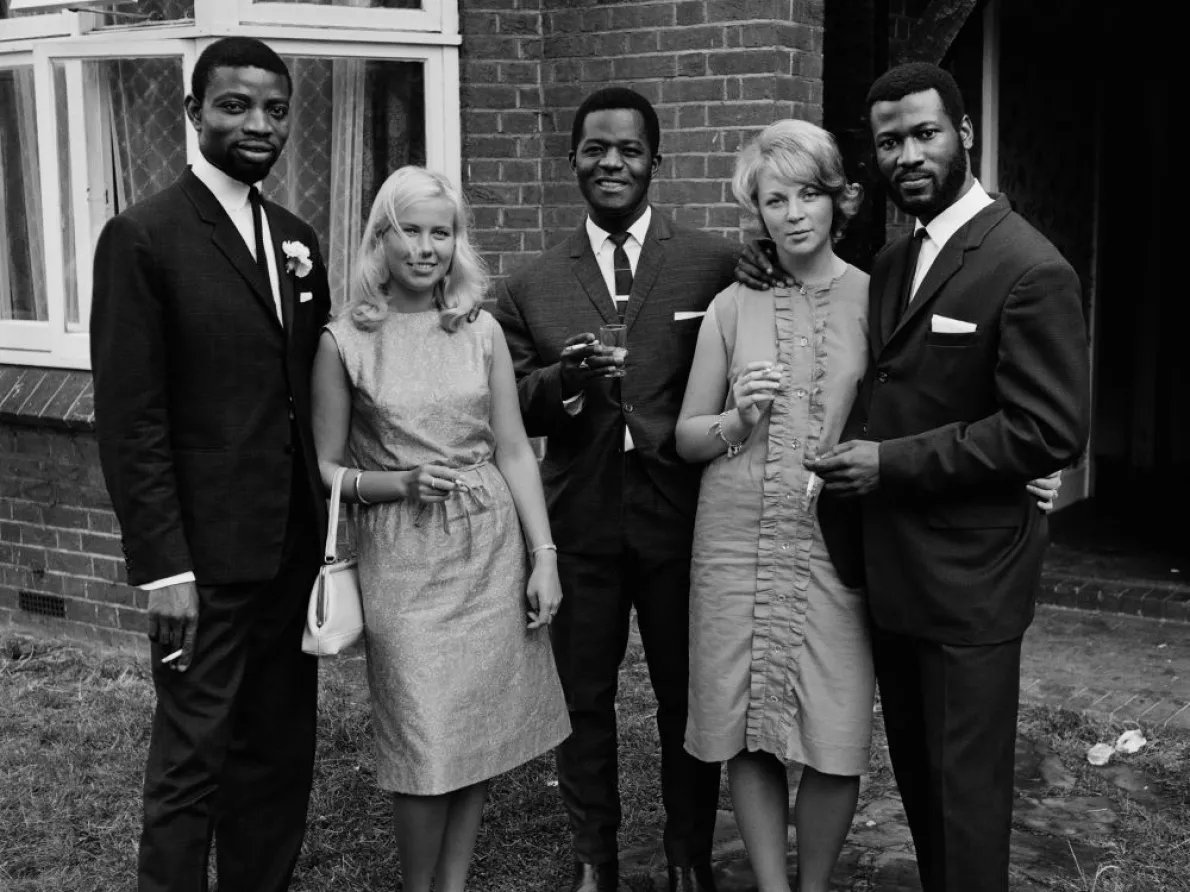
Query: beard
x=942, y=196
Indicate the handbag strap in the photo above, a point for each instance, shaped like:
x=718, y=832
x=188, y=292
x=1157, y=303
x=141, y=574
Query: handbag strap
x=332, y=525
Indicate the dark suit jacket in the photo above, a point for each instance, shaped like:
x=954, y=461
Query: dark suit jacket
x=196, y=383
x=563, y=293
x=951, y=542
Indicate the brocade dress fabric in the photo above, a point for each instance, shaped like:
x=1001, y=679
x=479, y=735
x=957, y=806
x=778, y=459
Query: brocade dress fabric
x=779, y=652
x=460, y=689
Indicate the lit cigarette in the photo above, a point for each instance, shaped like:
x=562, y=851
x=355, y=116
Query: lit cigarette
x=171, y=657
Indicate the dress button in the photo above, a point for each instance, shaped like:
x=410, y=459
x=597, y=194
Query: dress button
x=803, y=341
x=795, y=443
x=800, y=393
x=628, y=408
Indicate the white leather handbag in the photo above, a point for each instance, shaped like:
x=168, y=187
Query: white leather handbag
x=335, y=615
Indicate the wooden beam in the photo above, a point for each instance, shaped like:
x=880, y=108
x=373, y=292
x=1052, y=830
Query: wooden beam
x=935, y=31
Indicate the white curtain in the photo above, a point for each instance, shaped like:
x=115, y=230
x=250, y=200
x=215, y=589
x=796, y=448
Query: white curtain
x=21, y=146
x=347, y=165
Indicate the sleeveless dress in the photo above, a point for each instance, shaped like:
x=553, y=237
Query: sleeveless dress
x=460, y=689
x=779, y=651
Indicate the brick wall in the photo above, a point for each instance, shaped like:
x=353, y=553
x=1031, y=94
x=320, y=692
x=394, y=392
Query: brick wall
x=61, y=564
x=716, y=70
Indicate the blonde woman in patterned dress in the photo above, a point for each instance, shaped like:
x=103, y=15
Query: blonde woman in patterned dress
x=413, y=391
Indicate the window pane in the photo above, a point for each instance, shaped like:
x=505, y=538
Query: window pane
x=352, y=123
x=22, y=264
x=135, y=147
x=149, y=12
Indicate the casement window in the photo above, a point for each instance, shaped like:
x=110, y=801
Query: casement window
x=91, y=121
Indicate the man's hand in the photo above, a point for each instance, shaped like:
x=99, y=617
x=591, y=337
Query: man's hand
x=173, y=621
x=756, y=268
x=583, y=358
x=850, y=469
x=1045, y=489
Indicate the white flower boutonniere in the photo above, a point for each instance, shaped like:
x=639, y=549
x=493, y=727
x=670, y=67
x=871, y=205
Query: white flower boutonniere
x=297, y=259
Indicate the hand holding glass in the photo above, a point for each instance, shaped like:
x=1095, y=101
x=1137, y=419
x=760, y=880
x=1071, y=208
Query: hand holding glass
x=615, y=337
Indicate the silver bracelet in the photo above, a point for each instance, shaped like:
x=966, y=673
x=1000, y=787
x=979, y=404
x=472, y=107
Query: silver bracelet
x=733, y=446
x=546, y=546
x=359, y=496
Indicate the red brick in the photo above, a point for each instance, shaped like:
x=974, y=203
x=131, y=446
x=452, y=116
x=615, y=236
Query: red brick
x=638, y=67
x=742, y=62
x=702, y=89
x=522, y=23
x=521, y=218
x=740, y=114
x=689, y=215
x=691, y=13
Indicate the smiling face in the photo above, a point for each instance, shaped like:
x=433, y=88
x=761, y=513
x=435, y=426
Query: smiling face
x=614, y=167
x=242, y=121
x=420, y=248
x=921, y=154
x=798, y=216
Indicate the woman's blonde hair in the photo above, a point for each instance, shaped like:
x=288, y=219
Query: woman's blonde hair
x=795, y=151
x=459, y=295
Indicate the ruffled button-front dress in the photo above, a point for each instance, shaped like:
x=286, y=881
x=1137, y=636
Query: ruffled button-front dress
x=779, y=653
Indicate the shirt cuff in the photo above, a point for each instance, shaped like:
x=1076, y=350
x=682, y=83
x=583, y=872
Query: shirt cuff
x=188, y=576
x=574, y=405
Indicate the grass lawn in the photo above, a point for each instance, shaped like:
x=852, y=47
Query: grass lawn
x=74, y=730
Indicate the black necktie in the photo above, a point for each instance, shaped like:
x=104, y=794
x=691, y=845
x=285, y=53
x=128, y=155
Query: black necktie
x=623, y=270
x=258, y=227
x=911, y=268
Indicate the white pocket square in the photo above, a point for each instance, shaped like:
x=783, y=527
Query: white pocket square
x=305, y=296
x=946, y=325
x=683, y=315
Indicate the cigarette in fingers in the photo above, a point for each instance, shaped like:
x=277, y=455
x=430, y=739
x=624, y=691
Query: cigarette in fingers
x=169, y=658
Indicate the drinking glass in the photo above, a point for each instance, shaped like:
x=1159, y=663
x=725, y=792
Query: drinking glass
x=616, y=337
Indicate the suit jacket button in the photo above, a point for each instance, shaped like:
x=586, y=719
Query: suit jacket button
x=881, y=377
x=288, y=449
x=864, y=428
x=628, y=408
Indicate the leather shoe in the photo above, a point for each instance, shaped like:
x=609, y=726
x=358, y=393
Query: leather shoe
x=603, y=877
x=692, y=878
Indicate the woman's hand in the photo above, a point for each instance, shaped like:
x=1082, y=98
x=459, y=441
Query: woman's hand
x=544, y=591
x=754, y=390
x=1046, y=490
x=429, y=483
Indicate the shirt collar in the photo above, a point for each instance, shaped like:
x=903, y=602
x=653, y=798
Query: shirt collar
x=228, y=191
x=598, y=235
x=951, y=220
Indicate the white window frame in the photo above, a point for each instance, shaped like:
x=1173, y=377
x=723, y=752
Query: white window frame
x=428, y=36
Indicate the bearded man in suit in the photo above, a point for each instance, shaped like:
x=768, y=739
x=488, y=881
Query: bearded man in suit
x=207, y=307
x=621, y=501
x=978, y=381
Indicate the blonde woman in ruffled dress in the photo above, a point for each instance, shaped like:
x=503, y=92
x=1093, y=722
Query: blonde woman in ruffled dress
x=414, y=392
x=780, y=667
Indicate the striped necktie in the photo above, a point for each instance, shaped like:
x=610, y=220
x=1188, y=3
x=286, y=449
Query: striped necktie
x=623, y=272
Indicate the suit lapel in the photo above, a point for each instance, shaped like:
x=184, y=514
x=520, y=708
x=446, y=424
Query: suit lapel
x=284, y=278
x=948, y=262
x=228, y=240
x=586, y=270
x=648, y=267
x=885, y=312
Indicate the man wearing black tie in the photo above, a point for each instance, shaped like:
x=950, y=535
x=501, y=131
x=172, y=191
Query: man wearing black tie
x=621, y=500
x=207, y=307
x=978, y=381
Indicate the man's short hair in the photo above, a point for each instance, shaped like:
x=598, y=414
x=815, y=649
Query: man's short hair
x=918, y=77
x=235, y=52
x=613, y=98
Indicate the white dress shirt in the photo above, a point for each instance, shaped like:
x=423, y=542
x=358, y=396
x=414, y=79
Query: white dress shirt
x=941, y=228
x=232, y=195
x=604, y=249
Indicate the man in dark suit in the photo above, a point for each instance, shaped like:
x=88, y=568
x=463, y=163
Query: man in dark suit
x=621, y=500
x=978, y=382
x=207, y=307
